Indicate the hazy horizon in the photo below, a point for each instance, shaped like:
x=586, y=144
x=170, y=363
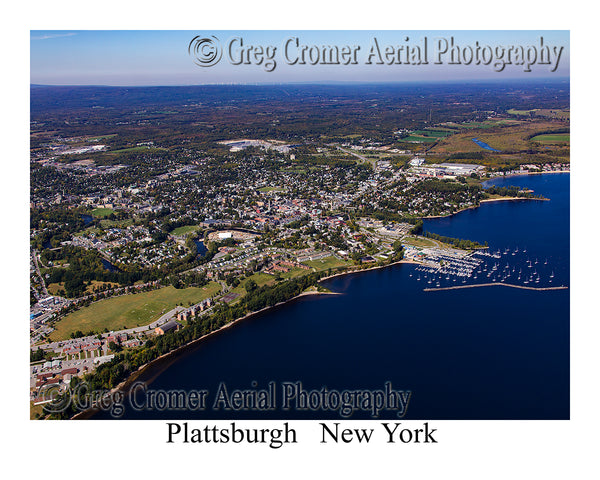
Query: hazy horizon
x=167, y=58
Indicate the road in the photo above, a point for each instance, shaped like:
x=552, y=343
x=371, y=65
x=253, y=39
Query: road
x=37, y=269
x=364, y=159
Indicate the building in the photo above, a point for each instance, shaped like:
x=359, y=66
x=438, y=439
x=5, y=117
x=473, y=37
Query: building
x=171, y=326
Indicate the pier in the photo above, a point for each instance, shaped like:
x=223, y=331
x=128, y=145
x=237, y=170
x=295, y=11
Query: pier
x=562, y=287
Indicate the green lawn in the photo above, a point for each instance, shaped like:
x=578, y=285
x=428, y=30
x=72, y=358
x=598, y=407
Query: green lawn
x=101, y=212
x=130, y=310
x=433, y=133
x=553, y=138
x=116, y=223
x=295, y=272
x=416, y=138
x=270, y=189
x=326, y=263
x=185, y=229
x=260, y=278
x=514, y=111
x=418, y=241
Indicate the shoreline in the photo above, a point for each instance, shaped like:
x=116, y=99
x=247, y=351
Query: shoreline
x=348, y=272
x=488, y=200
x=127, y=383
x=525, y=174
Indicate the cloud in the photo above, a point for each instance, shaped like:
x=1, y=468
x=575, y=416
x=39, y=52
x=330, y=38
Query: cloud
x=52, y=35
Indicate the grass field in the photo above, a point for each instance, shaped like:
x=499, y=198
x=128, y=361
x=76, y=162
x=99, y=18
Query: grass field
x=54, y=288
x=105, y=223
x=35, y=409
x=185, y=229
x=419, y=138
x=295, y=272
x=326, y=263
x=418, y=241
x=260, y=278
x=552, y=138
x=514, y=111
x=433, y=133
x=270, y=189
x=130, y=310
x=100, y=137
x=542, y=112
x=101, y=212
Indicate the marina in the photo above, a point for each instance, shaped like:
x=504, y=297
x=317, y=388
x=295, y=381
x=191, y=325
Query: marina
x=446, y=267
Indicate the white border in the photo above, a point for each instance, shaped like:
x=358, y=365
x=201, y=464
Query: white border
x=496, y=449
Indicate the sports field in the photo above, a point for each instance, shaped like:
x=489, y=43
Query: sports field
x=130, y=311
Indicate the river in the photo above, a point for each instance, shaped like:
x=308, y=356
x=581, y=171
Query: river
x=479, y=353
x=484, y=145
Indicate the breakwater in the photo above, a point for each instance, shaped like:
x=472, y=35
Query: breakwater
x=457, y=287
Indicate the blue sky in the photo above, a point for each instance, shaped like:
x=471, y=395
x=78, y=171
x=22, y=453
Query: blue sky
x=107, y=57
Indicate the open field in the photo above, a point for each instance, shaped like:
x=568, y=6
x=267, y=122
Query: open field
x=514, y=111
x=130, y=311
x=552, y=138
x=419, y=138
x=327, y=263
x=35, y=409
x=260, y=278
x=270, y=189
x=105, y=223
x=294, y=272
x=433, y=133
x=101, y=212
x=54, y=288
x=97, y=138
x=185, y=229
x=542, y=112
x=419, y=241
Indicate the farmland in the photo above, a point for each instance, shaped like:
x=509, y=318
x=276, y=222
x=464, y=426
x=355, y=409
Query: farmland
x=541, y=112
x=509, y=138
x=552, y=138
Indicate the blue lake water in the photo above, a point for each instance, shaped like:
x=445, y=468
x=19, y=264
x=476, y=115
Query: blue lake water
x=109, y=266
x=478, y=353
x=484, y=145
x=200, y=247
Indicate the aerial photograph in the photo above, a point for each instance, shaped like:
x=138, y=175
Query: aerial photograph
x=299, y=225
